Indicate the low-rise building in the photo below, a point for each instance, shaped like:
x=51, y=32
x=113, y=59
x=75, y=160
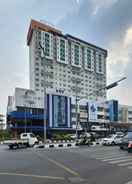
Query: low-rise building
x=125, y=114
x=25, y=112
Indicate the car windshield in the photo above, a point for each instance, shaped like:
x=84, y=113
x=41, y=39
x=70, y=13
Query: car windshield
x=110, y=136
x=128, y=135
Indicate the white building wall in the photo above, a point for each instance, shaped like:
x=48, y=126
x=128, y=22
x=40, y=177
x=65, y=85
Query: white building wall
x=28, y=98
x=59, y=75
x=125, y=114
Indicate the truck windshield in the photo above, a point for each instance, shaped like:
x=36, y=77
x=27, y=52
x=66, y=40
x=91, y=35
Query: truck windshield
x=32, y=135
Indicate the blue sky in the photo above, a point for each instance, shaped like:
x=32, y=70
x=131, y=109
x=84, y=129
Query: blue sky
x=106, y=23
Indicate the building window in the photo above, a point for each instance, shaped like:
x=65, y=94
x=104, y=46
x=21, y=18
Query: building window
x=89, y=58
x=37, y=64
x=100, y=63
x=62, y=49
x=37, y=74
x=37, y=79
x=37, y=85
x=42, y=74
x=76, y=54
x=37, y=69
x=42, y=84
x=47, y=44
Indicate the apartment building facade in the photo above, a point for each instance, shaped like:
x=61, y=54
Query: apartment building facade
x=65, y=60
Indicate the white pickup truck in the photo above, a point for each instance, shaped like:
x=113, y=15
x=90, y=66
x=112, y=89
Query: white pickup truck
x=26, y=140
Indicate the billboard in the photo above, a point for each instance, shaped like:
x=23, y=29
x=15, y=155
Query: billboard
x=113, y=110
x=92, y=111
x=58, y=108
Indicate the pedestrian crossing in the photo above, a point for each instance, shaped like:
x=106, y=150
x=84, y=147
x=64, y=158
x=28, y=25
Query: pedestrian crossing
x=112, y=155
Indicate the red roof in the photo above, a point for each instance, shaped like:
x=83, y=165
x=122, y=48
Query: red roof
x=41, y=26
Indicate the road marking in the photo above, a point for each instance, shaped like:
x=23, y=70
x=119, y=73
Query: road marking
x=130, y=182
x=60, y=165
x=64, y=167
x=129, y=167
x=118, y=161
x=32, y=175
x=110, y=156
x=116, y=158
x=125, y=164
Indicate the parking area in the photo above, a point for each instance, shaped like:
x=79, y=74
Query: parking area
x=86, y=165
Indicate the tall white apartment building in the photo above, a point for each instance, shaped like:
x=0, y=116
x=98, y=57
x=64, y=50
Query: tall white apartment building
x=67, y=59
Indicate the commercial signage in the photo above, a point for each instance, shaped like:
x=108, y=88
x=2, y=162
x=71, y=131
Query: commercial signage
x=113, y=110
x=92, y=111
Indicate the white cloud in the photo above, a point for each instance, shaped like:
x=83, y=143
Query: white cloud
x=119, y=65
x=128, y=37
x=99, y=4
x=119, y=55
x=77, y=1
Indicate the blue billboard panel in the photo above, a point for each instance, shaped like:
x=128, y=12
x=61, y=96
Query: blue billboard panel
x=59, y=111
x=59, y=115
x=113, y=110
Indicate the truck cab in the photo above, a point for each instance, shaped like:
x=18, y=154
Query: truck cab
x=30, y=137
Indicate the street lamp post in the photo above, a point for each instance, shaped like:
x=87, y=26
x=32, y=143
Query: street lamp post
x=44, y=88
x=77, y=81
x=25, y=116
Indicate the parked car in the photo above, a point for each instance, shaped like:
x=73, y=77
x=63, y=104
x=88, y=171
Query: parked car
x=113, y=139
x=120, y=133
x=125, y=141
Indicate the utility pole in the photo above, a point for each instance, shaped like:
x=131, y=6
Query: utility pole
x=25, y=113
x=77, y=81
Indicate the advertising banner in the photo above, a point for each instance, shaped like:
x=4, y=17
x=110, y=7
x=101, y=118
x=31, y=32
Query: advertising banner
x=92, y=111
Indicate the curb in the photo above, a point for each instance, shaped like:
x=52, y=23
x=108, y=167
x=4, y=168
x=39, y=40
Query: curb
x=56, y=145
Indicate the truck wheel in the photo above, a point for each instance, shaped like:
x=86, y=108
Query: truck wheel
x=113, y=143
x=121, y=147
x=16, y=146
x=10, y=146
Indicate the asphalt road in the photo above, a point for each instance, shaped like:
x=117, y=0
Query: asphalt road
x=94, y=165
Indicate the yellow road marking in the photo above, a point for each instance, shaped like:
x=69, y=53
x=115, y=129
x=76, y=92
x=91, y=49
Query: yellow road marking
x=64, y=167
x=32, y=175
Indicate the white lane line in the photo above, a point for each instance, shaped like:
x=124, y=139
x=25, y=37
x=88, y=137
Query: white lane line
x=101, y=150
x=71, y=171
x=130, y=167
x=125, y=164
x=104, y=153
x=32, y=175
x=130, y=182
x=110, y=156
x=119, y=161
x=62, y=166
x=116, y=158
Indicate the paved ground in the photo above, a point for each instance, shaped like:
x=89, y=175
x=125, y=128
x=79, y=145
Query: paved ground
x=94, y=165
